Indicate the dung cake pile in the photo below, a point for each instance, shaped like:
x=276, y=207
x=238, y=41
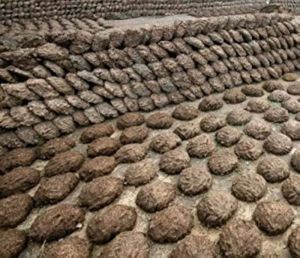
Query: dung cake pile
x=14, y=10
x=217, y=176
x=58, y=76
x=159, y=137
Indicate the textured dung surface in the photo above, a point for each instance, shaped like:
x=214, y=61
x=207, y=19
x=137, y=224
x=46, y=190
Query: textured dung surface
x=103, y=146
x=278, y=143
x=234, y=96
x=291, y=129
x=63, y=73
x=68, y=247
x=252, y=91
x=54, y=146
x=194, y=244
x=185, y=112
x=174, y=161
x=134, y=134
x=212, y=123
x=131, y=153
x=116, y=10
x=165, y=142
x=187, y=130
x=108, y=223
x=248, y=187
x=238, y=117
x=258, y=129
x=100, y=192
x=216, y=208
x=64, y=162
x=54, y=189
x=248, y=149
x=127, y=244
x=294, y=243
x=230, y=161
x=222, y=162
x=210, y=103
x=273, y=169
x=193, y=181
x=130, y=119
x=56, y=222
x=170, y=225
x=295, y=161
x=291, y=190
x=257, y=106
x=155, y=196
x=18, y=181
x=277, y=115
x=273, y=217
x=16, y=158
x=200, y=146
x=141, y=172
x=159, y=120
x=96, y=131
x=228, y=136
x=96, y=167
x=14, y=209
x=12, y=242
x=240, y=239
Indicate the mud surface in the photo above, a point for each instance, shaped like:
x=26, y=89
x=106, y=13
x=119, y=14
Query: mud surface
x=173, y=180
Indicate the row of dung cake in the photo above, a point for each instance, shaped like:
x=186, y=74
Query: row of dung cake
x=141, y=80
x=75, y=62
x=157, y=55
x=281, y=39
x=80, y=42
x=13, y=10
x=50, y=107
x=293, y=5
x=199, y=9
x=33, y=33
x=63, y=32
x=50, y=59
x=47, y=123
x=52, y=25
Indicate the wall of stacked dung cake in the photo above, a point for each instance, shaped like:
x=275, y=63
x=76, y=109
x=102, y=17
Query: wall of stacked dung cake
x=63, y=72
x=13, y=10
x=293, y=5
x=60, y=79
